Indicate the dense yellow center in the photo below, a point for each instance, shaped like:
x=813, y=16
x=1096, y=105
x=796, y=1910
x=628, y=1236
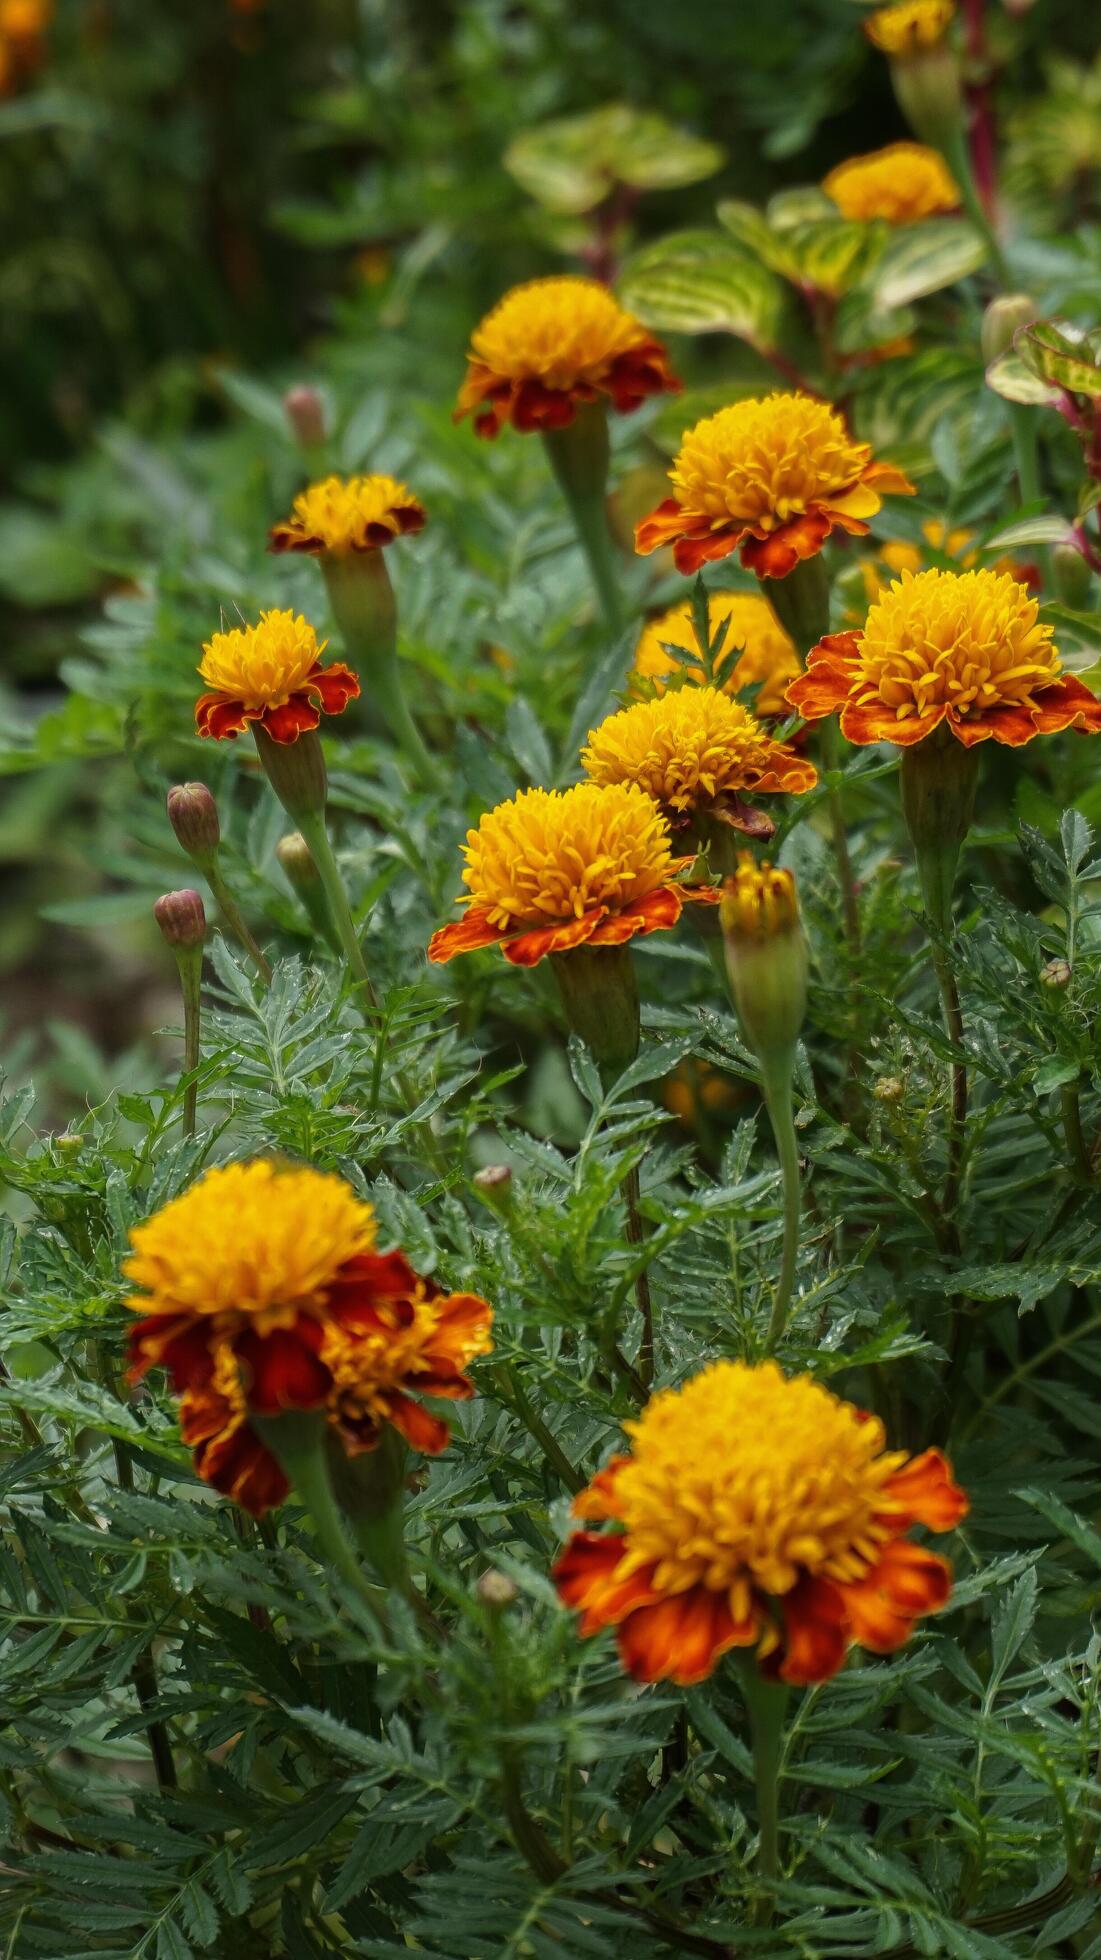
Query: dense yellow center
x=558, y=331
x=555, y=854
x=685, y=749
x=768, y=658
x=968, y=640
x=744, y=1478
x=341, y=510
x=901, y=184
x=765, y=462
x=910, y=25
x=759, y=901
x=252, y=1239
x=262, y=665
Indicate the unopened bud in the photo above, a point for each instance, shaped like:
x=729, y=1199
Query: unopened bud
x=305, y=411
x=889, y=1089
x=496, y=1591
x=193, y=814
x=925, y=70
x=294, y=857
x=1072, y=575
x=1055, y=974
x=1002, y=319
x=494, y=1184
x=69, y=1145
x=181, y=918
x=766, y=956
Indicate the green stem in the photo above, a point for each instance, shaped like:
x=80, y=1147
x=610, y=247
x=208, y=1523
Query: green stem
x=1078, y=1148
x=591, y=525
x=385, y=685
x=189, y=962
x=362, y=599
x=579, y=457
x=636, y=1236
x=776, y=1086
x=957, y=1118
x=511, y=1388
x=313, y=828
x=766, y=1702
x=297, y=1439
x=839, y=836
x=954, y=144
x=234, y=919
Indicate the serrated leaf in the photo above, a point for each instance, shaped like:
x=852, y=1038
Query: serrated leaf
x=699, y=282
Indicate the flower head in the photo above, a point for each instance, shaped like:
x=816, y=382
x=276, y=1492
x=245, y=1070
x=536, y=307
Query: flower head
x=767, y=660
x=270, y=673
x=261, y=1289
x=551, y=344
x=555, y=869
x=909, y=27
x=902, y=183
x=966, y=649
x=696, y=752
x=345, y=515
x=774, y=476
x=759, y=902
x=757, y=1511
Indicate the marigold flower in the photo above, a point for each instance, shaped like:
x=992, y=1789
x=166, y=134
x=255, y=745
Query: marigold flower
x=757, y=1511
x=344, y=515
x=270, y=673
x=697, y=753
x=555, y=869
x=260, y=1290
x=909, y=26
x=552, y=344
x=966, y=649
x=902, y=183
x=774, y=476
x=768, y=659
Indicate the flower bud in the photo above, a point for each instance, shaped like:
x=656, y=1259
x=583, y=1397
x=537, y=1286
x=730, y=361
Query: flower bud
x=181, y=918
x=889, y=1090
x=296, y=862
x=766, y=956
x=1072, y=575
x=1055, y=974
x=496, y=1590
x=193, y=814
x=1001, y=321
x=305, y=411
x=295, y=770
x=494, y=1183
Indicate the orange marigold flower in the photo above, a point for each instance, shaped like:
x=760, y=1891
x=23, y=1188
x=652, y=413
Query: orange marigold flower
x=774, y=476
x=697, y=753
x=559, y=868
x=966, y=649
x=768, y=659
x=757, y=1511
x=270, y=673
x=261, y=1289
x=551, y=344
x=901, y=184
x=910, y=26
x=345, y=515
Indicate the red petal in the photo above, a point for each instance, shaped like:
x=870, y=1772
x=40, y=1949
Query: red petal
x=296, y=717
x=528, y=948
x=924, y=1492
x=222, y=719
x=466, y=935
x=654, y=913
x=815, y=1632
x=421, y=1430
x=284, y=1369
x=681, y=1638
x=778, y=554
x=334, y=687
x=586, y=1581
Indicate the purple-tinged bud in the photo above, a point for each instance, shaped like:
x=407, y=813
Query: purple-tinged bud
x=181, y=918
x=1055, y=974
x=494, y=1184
x=305, y=411
x=193, y=814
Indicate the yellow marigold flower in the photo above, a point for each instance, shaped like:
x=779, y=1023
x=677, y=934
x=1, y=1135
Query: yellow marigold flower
x=901, y=184
x=774, y=476
x=910, y=26
x=270, y=673
x=768, y=657
x=345, y=515
x=759, y=901
x=697, y=753
x=261, y=1290
x=766, y=959
x=966, y=649
x=555, y=869
x=759, y=1511
x=552, y=344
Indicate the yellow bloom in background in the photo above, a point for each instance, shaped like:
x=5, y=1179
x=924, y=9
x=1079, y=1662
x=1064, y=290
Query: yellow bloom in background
x=767, y=659
x=900, y=184
x=345, y=515
x=555, y=343
x=270, y=673
x=910, y=26
x=554, y=869
x=774, y=476
x=900, y=555
x=695, y=751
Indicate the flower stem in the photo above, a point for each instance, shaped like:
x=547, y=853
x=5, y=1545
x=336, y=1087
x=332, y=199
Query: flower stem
x=766, y=1702
x=850, y=911
x=1078, y=1148
x=189, y=961
x=363, y=603
x=579, y=456
x=297, y=1439
x=776, y=1087
x=959, y=161
x=512, y=1389
x=234, y=919
x=636, y=1236
x=313, y=828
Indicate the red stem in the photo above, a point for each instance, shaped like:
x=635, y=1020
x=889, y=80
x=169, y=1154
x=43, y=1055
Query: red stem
x=982, y=129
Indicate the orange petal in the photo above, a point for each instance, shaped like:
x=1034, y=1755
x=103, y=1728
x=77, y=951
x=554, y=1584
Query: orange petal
x=787, y=772
x=334, y=687
x=924, y=1492
x=815, y=1632
x=220, y=718
x=778, y=554
x=296, y=717
x=421, y=1430
x=466, y=935
x=875, y=722
x=528, y=948
x=892, y=483
x=905, y=1583
x=691, y=552
x=585, y=1578
x=701, y=894
x=597, y=1500
x=663, y=526
x=654, y=913
x=680, y=1638
x=819, y=692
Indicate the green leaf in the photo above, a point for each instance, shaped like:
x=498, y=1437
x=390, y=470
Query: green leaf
x=1060, y=359
x=570, y=165
x=699, y=282
x=923, y=259
x=1014, y=380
